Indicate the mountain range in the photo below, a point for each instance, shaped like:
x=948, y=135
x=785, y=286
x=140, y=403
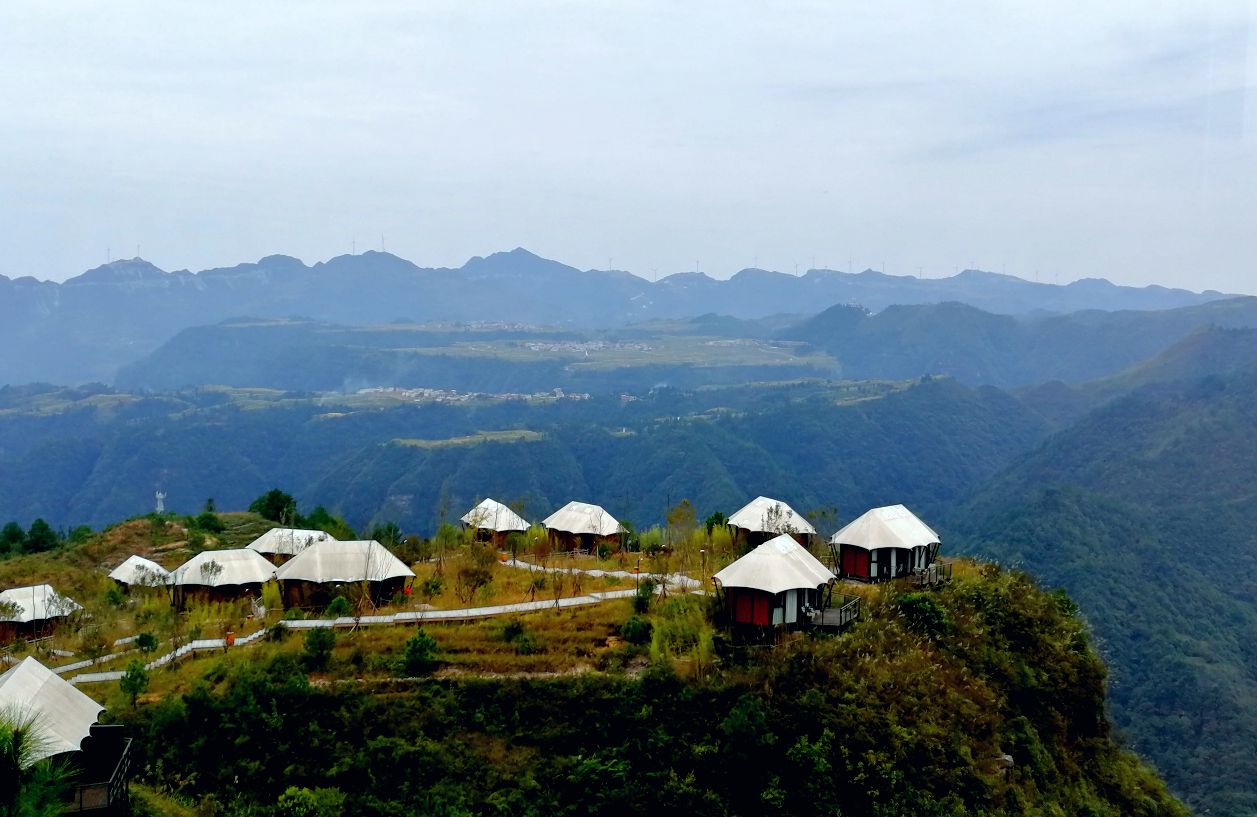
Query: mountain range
x=86, y=327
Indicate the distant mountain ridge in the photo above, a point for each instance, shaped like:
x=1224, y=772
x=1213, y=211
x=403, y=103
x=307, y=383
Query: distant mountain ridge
x=86, y=327
x=981, y=347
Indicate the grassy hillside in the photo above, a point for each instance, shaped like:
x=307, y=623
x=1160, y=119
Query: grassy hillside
x=909, y=712
x=1145, y=511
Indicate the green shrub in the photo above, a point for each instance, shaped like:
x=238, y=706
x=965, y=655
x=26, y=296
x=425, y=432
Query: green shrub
x=431, y=587
x=209, y=522
x=146, y=642
x=526, y=644
x=419, y=654
x=114, y=596
x=319, y=643
x=513, y=629
x=637, y=630
x=923, y=614
x=298, y=801
x=339, y=607
x=645, y=594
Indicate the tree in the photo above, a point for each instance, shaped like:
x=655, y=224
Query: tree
x=319, y=643
x=387, y=534
x=209, y=506
x=321, y=519
x=717, y=519
x=682, y=520
x=12, y=538
x=28, y=786
x=146, y=642
x=41, y=537
x=476, y=572
x=276, y=506
x=419, y=654
x=134, y=681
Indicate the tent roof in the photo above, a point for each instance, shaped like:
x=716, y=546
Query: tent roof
x=892, y=526
x=335, y=561
x=288, y=541
x=240, y=566
x=582, y=517
x=776, y=566
x=38, y=602
x=141, y=571
x=493, y=515
x=63, y=715
x=755, y=516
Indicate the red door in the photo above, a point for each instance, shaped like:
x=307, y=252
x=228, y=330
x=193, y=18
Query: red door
x=855, y=562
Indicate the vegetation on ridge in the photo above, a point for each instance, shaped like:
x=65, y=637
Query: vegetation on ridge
x=909, y=712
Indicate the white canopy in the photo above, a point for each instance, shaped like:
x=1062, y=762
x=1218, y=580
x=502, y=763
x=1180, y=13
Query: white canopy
x=493, y=515
x=288, y=541
x=892, y=526
x=241, y=566
x=63, y=715
x=37, y=603
x=776, y=566
x=334, y=561
x=766, y=515
x=581, y=517
x=141, y=571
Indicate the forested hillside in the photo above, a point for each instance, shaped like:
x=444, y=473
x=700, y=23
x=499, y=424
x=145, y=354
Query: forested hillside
x=1145, y=511
x=84, y=457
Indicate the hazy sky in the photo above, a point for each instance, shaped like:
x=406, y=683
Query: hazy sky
x=1071, y=139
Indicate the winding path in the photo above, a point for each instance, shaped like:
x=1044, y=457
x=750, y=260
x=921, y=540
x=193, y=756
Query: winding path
x=676, y=580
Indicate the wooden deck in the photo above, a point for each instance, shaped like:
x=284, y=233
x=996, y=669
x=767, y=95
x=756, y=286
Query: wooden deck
x=841, y=614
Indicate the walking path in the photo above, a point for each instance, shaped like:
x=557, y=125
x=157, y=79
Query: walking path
x=671, y=579
x=676, y=580
x=351, y=622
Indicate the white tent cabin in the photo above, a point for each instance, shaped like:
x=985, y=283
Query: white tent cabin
x=765, y=518
x=777, y=583
x=315, y=576
x=582, y=526
x=137, y=571
x=64, y=728
x=32, y=612
x=493, y=522
x=279, y=545
x=221, y=575
x=884, y=543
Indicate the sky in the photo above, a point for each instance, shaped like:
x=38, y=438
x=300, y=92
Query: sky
x=1052, y=141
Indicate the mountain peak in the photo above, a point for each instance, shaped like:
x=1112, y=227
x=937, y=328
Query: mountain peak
x=121, y=271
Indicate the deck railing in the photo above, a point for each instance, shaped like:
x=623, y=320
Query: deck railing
x=108, y=795
x=932, y=576
x=842, y=612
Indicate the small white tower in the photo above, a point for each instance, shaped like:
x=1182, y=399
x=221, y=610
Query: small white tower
x=161, y=501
